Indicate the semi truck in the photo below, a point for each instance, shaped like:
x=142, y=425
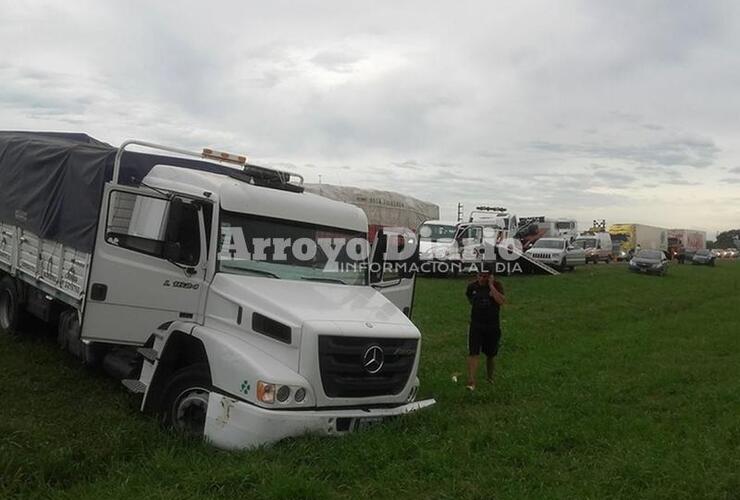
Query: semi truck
x=627, y=238
x=148, y=264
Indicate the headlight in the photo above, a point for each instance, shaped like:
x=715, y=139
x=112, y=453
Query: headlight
x=655, y=266
x=269, y=393
x=265, y=392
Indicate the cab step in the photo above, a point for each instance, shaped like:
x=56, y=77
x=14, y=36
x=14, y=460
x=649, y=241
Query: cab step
x=148, y=353
x=134, y=385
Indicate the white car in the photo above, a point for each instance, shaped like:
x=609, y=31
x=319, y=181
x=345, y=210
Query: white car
x=557, y=252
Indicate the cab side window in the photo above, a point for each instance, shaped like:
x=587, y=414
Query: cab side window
x=183, y=229
x=146, y=224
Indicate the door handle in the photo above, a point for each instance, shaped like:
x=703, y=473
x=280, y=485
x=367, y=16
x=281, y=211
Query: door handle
x=98, y=291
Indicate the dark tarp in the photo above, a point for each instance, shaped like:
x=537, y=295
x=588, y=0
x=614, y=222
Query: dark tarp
x=52, y=183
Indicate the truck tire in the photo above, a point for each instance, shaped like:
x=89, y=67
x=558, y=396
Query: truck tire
x=185, y=401
x=11, y=309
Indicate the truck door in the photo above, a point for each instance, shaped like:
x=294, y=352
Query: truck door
x=148, y=267
x=395, y=277
x=471, y=244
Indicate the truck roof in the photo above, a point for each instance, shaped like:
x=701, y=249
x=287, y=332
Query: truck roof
x=238, y=196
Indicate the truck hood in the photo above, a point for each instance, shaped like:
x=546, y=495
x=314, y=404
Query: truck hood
x=299, y=301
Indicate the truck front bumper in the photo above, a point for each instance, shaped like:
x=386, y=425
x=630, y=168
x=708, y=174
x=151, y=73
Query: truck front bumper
x=232, y=424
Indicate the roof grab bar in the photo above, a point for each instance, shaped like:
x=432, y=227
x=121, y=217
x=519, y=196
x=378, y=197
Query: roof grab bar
x=207, y=154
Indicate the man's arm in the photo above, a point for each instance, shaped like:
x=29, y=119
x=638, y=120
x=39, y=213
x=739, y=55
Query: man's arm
x=496, y=294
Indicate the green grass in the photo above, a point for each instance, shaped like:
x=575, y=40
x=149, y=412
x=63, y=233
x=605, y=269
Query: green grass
x=610, y=385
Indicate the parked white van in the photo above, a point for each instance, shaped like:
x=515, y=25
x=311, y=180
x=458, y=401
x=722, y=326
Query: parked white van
x=598, y=246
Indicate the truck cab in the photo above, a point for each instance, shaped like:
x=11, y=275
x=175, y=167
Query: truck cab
x=252, y=310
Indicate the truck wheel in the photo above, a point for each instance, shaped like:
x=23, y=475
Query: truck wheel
x=185, y=402
x=11, y=311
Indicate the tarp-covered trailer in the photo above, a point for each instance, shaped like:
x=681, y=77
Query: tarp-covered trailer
x=383, y=208
x=52, y=188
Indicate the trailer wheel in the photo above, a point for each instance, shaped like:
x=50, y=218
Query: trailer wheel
x=185, y=402
x=11, y=311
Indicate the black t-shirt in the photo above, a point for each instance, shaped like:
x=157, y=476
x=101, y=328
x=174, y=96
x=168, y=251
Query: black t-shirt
x=484, y=309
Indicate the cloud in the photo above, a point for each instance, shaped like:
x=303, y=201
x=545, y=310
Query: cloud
x=679, y=152
x=513, y=109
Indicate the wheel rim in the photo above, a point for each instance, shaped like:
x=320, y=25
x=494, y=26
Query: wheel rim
x=6, y=310
x=189, y=410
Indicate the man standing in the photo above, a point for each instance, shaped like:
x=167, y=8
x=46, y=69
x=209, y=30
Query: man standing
x=486, y=296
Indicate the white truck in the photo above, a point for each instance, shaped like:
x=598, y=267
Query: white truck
x=437, y=252
x=567, y=228
x=149, y=265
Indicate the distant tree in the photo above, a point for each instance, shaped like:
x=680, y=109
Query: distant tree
x=711, y=244
x=725, y=238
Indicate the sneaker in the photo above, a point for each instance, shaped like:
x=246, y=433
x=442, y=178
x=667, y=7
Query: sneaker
x=470, y=387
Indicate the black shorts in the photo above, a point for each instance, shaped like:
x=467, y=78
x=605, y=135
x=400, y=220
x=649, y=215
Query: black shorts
x=483, y=338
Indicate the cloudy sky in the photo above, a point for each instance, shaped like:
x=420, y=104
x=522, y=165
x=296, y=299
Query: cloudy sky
x=624, y=110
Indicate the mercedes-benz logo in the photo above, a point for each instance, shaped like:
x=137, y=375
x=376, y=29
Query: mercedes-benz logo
x=373, y=359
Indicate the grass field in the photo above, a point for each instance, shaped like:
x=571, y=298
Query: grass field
x=610, y=385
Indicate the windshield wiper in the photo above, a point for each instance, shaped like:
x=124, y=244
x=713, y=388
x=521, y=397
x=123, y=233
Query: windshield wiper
x=325, y=280
x=255, y=271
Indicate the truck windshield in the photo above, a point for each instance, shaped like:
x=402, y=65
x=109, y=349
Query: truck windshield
x=434, y=232
x=285, y=249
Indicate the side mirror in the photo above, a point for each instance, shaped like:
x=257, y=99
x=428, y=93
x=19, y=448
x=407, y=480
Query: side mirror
x=172, y=251
x=378, y=260
x=174, y=218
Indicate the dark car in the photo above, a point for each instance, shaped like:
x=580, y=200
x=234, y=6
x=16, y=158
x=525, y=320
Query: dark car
x=704, y=257
x=649, y=261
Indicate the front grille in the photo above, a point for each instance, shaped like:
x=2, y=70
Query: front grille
x=343, y=374
x=541, y=255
